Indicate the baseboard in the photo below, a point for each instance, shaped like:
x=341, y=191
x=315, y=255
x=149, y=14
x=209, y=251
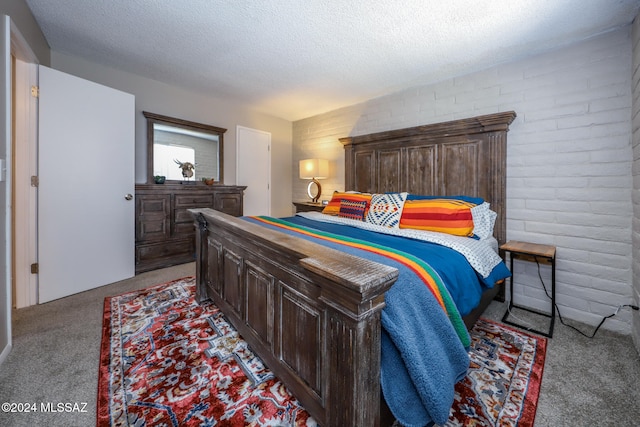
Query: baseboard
x=5, y=353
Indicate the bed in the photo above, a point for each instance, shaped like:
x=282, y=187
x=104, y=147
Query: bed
x=313, y=312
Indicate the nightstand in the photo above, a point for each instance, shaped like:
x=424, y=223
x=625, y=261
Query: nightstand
x=308, y=207
x=545, y=254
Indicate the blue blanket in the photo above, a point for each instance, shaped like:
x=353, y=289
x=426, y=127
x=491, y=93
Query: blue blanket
x=464, y=284
x=422, y=355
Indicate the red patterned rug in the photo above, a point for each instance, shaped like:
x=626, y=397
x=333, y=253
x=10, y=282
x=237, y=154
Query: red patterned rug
x=166, y=360
x=503, y=381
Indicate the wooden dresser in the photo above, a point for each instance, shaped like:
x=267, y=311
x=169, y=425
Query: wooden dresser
x=165, y=233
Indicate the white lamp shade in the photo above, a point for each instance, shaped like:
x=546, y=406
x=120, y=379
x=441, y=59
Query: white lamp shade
x=314, y=168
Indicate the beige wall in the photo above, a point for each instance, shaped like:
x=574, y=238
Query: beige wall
x=29, y=29
x=167, y=100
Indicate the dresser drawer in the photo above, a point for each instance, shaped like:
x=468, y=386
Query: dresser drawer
x=152, y=217
x=183, y=248
x=229, y=203
x=149, y=229
x=153, y=205
x=194, y=200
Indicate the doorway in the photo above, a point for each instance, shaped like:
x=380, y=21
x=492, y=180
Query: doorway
x=253, y=169
x=49, y=258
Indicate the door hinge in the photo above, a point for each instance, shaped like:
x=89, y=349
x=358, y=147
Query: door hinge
x=35, y=268
x=35, y=181
x=35, y=91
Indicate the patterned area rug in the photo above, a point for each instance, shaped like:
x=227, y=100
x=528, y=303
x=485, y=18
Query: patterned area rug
x=166, y=360
x=503, y=382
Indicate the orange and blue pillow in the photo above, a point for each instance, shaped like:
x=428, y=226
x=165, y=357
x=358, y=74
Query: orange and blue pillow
x=452, y=216
x=470, y=199
x=333, y=207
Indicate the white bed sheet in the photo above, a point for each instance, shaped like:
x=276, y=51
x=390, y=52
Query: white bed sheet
x=481, y=254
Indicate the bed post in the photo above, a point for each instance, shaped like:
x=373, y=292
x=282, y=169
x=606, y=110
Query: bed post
x=356, y=372
x=201, y=252
x=354, y=329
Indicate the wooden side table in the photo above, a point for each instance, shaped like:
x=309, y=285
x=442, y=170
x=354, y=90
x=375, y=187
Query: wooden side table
x=537, y=253
x=308, y=207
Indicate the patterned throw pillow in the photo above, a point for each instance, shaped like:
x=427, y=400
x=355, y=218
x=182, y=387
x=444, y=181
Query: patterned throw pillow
x=386, y=209
x=352, y=210
x=333, y=207
x=441, y=215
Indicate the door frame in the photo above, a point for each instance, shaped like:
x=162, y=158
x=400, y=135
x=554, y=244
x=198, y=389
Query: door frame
x=24, y=196
x=17, y=46
x=239, y=160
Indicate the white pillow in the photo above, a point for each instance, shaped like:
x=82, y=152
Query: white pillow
x=386, y=209
x=484, y=220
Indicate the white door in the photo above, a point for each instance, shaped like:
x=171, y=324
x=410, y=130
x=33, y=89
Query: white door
x=86, y=176
x=254, y=169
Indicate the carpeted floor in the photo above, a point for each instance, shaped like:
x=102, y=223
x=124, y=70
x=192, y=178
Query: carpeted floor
x=56, y=349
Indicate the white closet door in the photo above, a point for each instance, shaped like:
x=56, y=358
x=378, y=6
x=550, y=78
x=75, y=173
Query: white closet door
x=86, y=170
x=253, y=169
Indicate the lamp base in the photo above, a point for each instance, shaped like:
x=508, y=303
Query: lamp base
x=314, y=196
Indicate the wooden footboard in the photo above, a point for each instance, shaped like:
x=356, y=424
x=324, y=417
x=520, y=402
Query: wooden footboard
x=311, y=313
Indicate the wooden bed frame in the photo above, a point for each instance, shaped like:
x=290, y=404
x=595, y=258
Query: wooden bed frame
x=313, y=313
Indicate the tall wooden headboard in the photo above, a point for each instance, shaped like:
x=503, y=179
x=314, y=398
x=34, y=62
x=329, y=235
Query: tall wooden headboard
x=460, y=157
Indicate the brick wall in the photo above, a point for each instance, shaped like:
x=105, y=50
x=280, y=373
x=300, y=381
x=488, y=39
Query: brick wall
x=568, y=162
x=635, y=123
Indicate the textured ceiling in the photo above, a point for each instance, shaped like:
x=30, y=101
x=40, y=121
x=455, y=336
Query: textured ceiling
x=298, y=58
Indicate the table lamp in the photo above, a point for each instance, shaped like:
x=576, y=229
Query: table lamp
x=314, y=169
